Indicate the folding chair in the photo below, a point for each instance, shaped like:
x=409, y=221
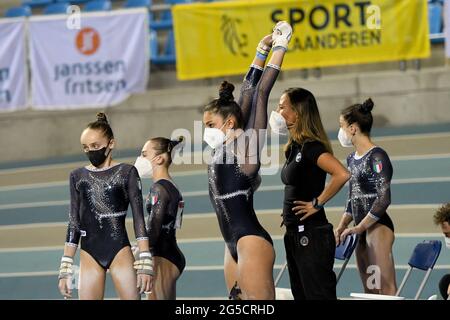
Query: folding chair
x=343, y=252
x=424, y=257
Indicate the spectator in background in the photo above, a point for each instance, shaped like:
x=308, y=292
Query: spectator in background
x=442, y=218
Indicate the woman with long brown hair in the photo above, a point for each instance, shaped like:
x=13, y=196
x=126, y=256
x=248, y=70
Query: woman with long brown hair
x=309, y=239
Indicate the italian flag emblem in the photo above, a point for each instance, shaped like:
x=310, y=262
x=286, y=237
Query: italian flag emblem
x=377, y=166
x=154, y=199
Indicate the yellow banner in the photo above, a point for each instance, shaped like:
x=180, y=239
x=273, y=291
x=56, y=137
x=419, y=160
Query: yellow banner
x=220, y=38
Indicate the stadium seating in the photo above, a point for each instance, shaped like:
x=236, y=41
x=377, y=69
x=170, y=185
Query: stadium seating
x=98, y=5
x=23, y=11
x=56, y=8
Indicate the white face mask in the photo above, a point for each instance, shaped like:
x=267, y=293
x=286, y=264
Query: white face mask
x=278, y=124
x=344, y=139
x=214, y=137
x=144, y=167
x=447, y=242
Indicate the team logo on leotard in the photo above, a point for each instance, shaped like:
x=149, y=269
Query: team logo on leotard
x=378, y=166
x=233, y=40
x=298, y=157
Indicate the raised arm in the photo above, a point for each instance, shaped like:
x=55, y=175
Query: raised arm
x=281, y=37
x=253, y=76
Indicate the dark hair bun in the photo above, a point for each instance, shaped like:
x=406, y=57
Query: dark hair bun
x=101, y=117
x=367, y=106
x=174, y=143
x=226, y=92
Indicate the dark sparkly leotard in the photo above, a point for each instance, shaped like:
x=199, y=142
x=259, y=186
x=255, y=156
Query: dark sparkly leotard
x=370, y=186
x=99, y=202
x=165, y=208
x=233, y=173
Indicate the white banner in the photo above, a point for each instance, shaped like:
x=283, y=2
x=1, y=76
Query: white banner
x=447, y=27
x=13, y=68
x=98, y=65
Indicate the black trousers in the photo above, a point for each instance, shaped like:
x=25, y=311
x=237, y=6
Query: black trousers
x=310, y=262
x=443, y=286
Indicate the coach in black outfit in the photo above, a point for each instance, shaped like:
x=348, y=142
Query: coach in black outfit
x=309, y=239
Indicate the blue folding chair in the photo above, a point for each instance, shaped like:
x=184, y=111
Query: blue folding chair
x=23, y=11
x=98, y=5
x=344, y=252
x=56, y=8
x=36, y=3
x=424, y=257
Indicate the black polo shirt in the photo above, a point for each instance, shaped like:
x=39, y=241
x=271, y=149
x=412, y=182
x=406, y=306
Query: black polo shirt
x=304, y=180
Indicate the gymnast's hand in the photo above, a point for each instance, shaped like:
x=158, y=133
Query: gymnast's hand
x=305, y=208
x=144, y=283
x=354, y=230
x=64, y=288
x=337, y=235
x=144, y=268
x=65, y=276
x=267, y=40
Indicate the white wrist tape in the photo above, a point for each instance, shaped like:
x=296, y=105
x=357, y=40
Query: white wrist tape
x=65, y=268
x=144, y=265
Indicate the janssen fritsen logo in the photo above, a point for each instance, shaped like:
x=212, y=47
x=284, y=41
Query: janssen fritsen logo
x=87, y=41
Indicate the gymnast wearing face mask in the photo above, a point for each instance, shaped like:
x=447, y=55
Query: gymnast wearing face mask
x=369, y=198
x=100, y=194
x=236, y=132
x=165, y=208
